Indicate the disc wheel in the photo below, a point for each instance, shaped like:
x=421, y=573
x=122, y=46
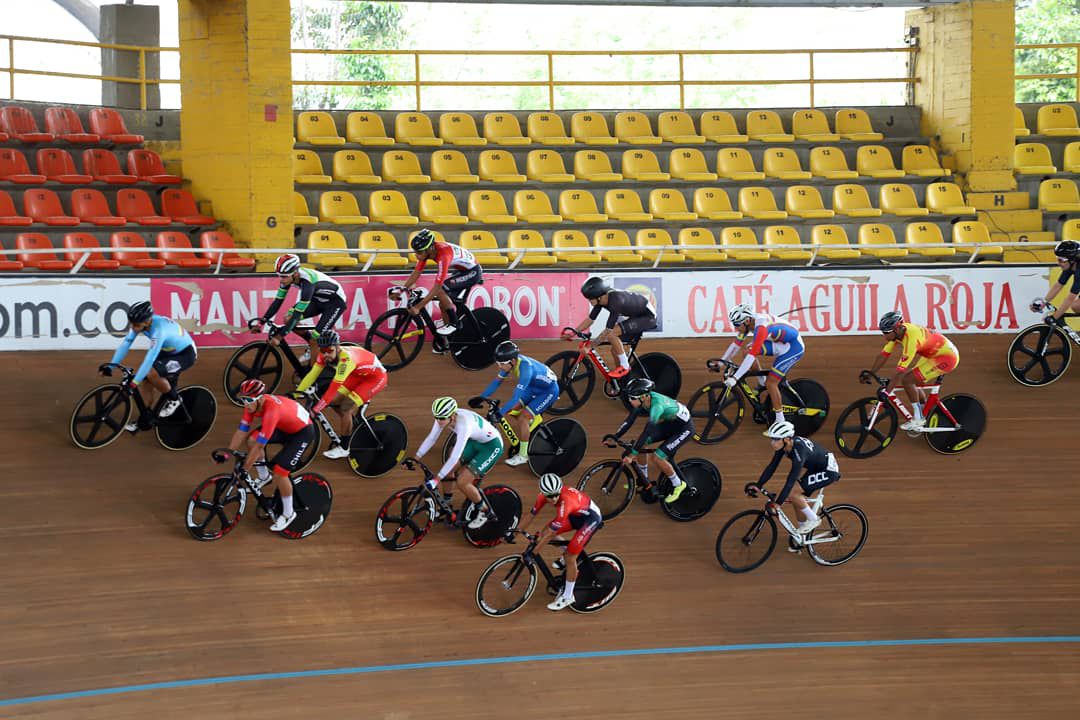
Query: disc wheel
x=404, y=519
x=99, y=417
x=611, y=485
x=658, y=367
x=702, y=491
x=1039, y=355
x=506, y=503
x=746, y=541
x=599, y=584
x=840, y=536
x=971, y=416
x=257, y=359
x=557, y=447
x=306, y=457
x=472, y=346
x=215, y=508
x=854, y=435
x=577, y=378
x=396, y=338
x=191, y=422
x=505, y=586
x=312, y=498
x=718, y=411
x=806, y=405
x=376, y=450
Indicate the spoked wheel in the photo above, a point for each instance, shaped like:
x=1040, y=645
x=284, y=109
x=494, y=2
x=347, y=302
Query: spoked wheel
x=702, y=491
x=717, y=410
x=971, y=416
x=598, y=583
x=404, y=519
x=473, y=346
x=840, y=536
x=661, y=369
x=577, y=377
x=215, y=507
x=856, y=437
x=100, y=416
x=746, y=541
x=506, y=503
x=312, y=498
x=376, y=450
x=806, y=405
x=257, y=359
x=611, y=485
x=1039, y=355
x=191, y=422
x=505, y=586
x=396, y=338
x=557, y=447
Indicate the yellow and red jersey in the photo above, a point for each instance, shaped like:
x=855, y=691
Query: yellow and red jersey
x=918, y=341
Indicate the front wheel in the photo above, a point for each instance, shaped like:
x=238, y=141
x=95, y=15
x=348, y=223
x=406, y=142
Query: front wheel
x=100, y=416
x=599, y=582
x=258, y=359
x=396, y=337
x=952, y=438
x=377, y=446
x=1039, y=355
x=505, y=586
x=611, y=485
x=577, y=377
x=840, y=537
x=215, y=508
x=721, y=408
x=746, y=541
x=865, y=428
x=404, y=519
x=703, y=490
x=557, y=447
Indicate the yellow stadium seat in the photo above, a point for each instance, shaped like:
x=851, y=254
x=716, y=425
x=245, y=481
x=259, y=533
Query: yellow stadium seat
x=547, y=166
x=354, y=167
x=414, y=128
x=390, y=207
x=830, y=163
x=307, y=169
x=678, y=127
x=489, y=208
x=1032, y=159
x=317, y=128
x=1059, y=196
x=580, y=206
x=366, y=128
x=451, y=166
x=591, y=128
x=440, y=207
x=853, y=124
x=945, y=198
x=534, y=206
x=805, y=201
x=503, y=128
x=1072, y=157
x=1058, y=120
x=301, y=214
x=625, y=206
x=812, y=126
x=548, y=129
x=853, y=201
x=329, y=240
x=740, y=243
x=340, y=208
x=766, y=126
x=657, y=238
x=594, y=166
x=876, y=161
x=921, y=160
x=969, y=236
x=1020, y=128
x=719, y=126
x=873, y=235
x=635, y=128
x=642, y=166
x=533, y=241
x=689, y=164
x=669, y=204
x=483, y=240
x=459, y=128
x=784, y=235
x=918, y=235
x=573, y=247
x=614, y=247
x=402, y=166
x=736, y=164
x=498, y=166
x=899, y=199
x=711, y=203
x=381, y=240
x=1071, y=231
x=783, y=163
x=758, y=203
x=703, y=237
x=825, y=237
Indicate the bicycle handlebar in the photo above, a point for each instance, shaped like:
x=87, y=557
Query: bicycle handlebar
x=410, y=463
x=574, y=332
x=865, y=374
x=128, y=372
x=627, y=446
x=719, y=364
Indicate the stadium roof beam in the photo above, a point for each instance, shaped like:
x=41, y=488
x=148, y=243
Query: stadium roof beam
x=725, y=3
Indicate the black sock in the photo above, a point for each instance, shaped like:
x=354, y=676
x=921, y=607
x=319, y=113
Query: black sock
x=450, y=316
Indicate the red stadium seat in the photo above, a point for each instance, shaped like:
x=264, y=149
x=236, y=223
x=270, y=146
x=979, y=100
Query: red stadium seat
x=14, y=168
x=138, y=208
x=20, y=124
x=9, y=265
x=130, y=249
x=221, y=240
x=147, y=166
x=109, y=124
x=40, y=261
x=4, y=138
x=104, y=167
x=44, y=207
x=174, y=239
x=97, y=261
x=56, y=165
x=64, y=123
x=90, y=206
x=180, y=206
x=8, y=216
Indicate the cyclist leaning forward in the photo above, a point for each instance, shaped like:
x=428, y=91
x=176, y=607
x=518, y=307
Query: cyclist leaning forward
x=629, y=315
x=1067, y=254
x=537, y=390
x=768, y=336
x=320, y=295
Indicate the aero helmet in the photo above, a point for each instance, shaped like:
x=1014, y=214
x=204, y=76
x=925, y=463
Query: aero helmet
x=594, y=287
x=140, y=312
x=550, y=484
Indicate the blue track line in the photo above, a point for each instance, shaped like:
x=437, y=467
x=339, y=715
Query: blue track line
x=468, y=662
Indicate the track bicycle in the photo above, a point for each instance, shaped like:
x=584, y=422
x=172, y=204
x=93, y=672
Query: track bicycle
x=266, y=361
x=1041, y=353
x=376, y=445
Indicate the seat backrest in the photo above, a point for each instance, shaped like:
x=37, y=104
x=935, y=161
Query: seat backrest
x=377, y=240
x=532, y=202
x=363, y=124
x=1018, y=119
x=873, y=157
x=412, y=125
x=827, y=159
x=828, y=235
x=781, y=235
x=1062, y=190
x=687, y=160
x=696, y=236
x=803, y=197
x=1072, y=156
x=761, y=122
x=445, y=163
x=13, y=162
x=497, y=162
x=306, y=162
x=738, y=236
x=17, y=120
x=145, y=162
x=573, y=202
x=315, y=124
x=780, y=160
x=876, y=234
x=181, y=203
x=300, y=206
x=711, y=199
x=335, y=203
x=588, y=125
x=82, y=241
x=63, y=121
x=478, y=240
x=399, y=163
x=970, y=231
x=852, y=120
x=351, y=162
x=756, y=198
x=621, y=201
x=718, y=122
x=921, y=233
x=7, y=205
x=171, y=239
x=387, y=203
x=809, y=122
x=218, y=240
x=651, y=238
x=850, y=196
x=732, y=160
x=591, y=161
x=54, y=161
x=1031, y=154
x=40, y=203
x=943, y=195
x=486, y=202
x=1071, y=231
x=128, y=246
x=33, y=241
x=106, y=121
x=895, y=196
x=457, y=125
x=98, y=161
x=635, y=162
x=675, y=123
x=87, y=202
x=526, y=239
x=544, y=162
x=611, y=239
x=919, y=157
x=131, y=202
x=1056, y=116
x=569, y=239
x=500, y=125
x=434, y=203
x=632, y=124
x=545, y=125
x=667, y=200
x=326, y=240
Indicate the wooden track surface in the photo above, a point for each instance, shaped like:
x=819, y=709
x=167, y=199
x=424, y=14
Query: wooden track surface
x=105, y=588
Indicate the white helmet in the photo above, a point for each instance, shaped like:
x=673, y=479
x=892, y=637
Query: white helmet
x=740, y=314
x=550, y=484
x=780, y=430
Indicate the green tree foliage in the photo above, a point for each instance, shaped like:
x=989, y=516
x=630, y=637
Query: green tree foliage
x=1046, y=21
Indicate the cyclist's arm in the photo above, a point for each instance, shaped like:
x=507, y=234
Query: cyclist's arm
x=797, y=462
x=1066, y=305
x=462, y=436
x=242, y=431
x=494, y=384
x=436, y=431
x=275, y=305
x=156, y=343
x=627, y=423
x=345, y=367
x=752, y=352
x=442, y=260
x=588, y=321
x=414, y=275
x=307, y=291
x=767, y=473
x=125, y=345
x=733, y=348
x=313, y=374
x=525, y=378
x=883, y=356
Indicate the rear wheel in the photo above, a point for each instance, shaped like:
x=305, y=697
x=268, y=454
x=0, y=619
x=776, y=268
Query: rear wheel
x=100, y=416
x=506, y=503
x=191, y=422
x=1039, y=355
x=856, y=437
x=702, y=491
x=598, y=583
x=378, y=446
x=505, y=586
x=746, y=541
x=557, y=446
x=312, y=498
x=257, y=359
x=806, y=405
x=840, y=536
x=396, y=338
x=577, y=377
x=658, y=367
x=971, y=416
x=404, y=519
x=611, y=485
x=472, y=346
x=717, y=410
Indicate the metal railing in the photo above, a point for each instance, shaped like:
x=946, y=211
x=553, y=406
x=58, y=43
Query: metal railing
x=1074, y=75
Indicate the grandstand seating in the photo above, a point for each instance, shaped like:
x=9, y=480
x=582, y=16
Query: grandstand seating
x=830, y=163
x=485, y=245
x=459, y=128
x=548, y=129
x=130, y=249
x=451, y=166
x=871, y=235
x=137, y=207
x=39, y=260
x=741, y=244
x=301, y=214
x=489, y=208
x=58, y=166
x=90, y=206
x=64, y=123
x=148, y=167
x=44, y=207
x=783, y=164
x=317, y=128
x=1057, y=119
x=719, y=127
x=917, y=235
x=645, y=239
x=635, y=128
x=591, y=128
x=573, y=247
x=678, y=128
x=502, y=128
x=805, y=201
x=9, y=217
x=758, y=203
x=737, y=164
x=784, y=235
x=330, y=240
x=308, y=170
x=578, y=206
x=104, y=167
x=15, y=169
x=171, y=242
x=380, y=240
x=340, y=208
x=766, y=126
x=877, y=162
x=614, y=247
x=96, y=260
x=440, y=208
x=17, y=122
x=643, y=166
x=219, y=243
x=594, y=167
x=1059, y=196
x=390, y=207
x=945, y=198
x=669, y=205
x=109, y=125
x=689, y=237
x=354, y=167
x=366, y=128
x=824, y=237
x=414, y=128
x=530, y=240
x=546, y=166
x=1020, y=127
x=403, y=167
x=689, y=164
x=1032, y=159
x=921, y=160
x=180, y=205
x=812, y=126
x=711, y=203
x=854, y=124
x=625, y=206
x=535, y=208
x=1072, y=157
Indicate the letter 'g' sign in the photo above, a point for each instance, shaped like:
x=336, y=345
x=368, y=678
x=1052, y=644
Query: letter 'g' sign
x=271, y=221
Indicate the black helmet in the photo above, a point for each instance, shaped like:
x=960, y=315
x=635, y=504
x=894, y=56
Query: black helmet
x=1068, y=249
x=140, y=312
x=638, y=387
x=889, y=321
x=594, y=287
x=328, y=338
x=506, y=351
x=422, y=240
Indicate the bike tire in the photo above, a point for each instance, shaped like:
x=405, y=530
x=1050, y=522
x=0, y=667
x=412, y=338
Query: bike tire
x=852, y=436
x=810, y=414
x=721, y=408
x=312, y=500
x=375, y=455
x=200, y=407
x=213, y=518
x=106, y=406
x=506, y=503
x=396, y=338
x=502, y=590
x=698, y=499
x=475, y=352
x=577, y=378
x=258, y=359
x=598, y=588
x=611, y=485
x=557, y=447
x=415, y=513
x=971, y=415
x=741, y=532
x=1027, y=355
x=662, y=369
x=835, y=521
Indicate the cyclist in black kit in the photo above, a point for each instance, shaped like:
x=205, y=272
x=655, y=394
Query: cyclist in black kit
x=629, y=315
x=320, y=295
x=1067, y=253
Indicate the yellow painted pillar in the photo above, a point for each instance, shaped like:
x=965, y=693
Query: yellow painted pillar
x=236, y=117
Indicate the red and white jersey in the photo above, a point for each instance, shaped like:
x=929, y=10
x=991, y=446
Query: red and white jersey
x=450, y=257
x=277, y=413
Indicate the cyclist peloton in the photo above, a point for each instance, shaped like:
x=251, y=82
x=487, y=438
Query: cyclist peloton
x=574, y=510
x=358, y=377
x=171, y=352
x=320, y=295
x=669, y=424
x=629, y=315
x=537, y=390
x=1067, y=253
x=924, y=356
x=477, y=447
x=768, y=337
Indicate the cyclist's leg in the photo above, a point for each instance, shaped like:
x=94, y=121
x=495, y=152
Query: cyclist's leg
x=782, y=364
x=164, y=377
x=586, y=527
x=534, y=405
x=284, y=463
x=676, y=433
x=358, y=391
x=456, y=287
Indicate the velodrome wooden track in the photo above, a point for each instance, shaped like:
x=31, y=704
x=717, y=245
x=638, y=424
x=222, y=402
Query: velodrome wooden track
x=104, y=588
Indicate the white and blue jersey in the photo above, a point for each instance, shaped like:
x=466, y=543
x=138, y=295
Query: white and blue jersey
x=781, y=341
x=537, y=387
x=166, y=338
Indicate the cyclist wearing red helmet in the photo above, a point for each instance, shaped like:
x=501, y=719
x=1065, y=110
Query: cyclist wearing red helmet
x=320, y=295
x=1067, y=254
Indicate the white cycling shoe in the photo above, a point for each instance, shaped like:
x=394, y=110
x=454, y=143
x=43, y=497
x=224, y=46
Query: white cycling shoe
x=808, y=526
x=515, y=460
x=446, y=329
x=914, y=425
x=132, y=427
x=169, y=408
x=305, y=358
x=336, y=452
x=560, y=602
x=282, y=522
x=479, y=521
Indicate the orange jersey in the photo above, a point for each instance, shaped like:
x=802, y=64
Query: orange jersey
x=919, y=341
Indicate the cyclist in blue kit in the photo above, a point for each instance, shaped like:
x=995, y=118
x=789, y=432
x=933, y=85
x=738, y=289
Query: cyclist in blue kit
x=537, y=390
x=767, y=336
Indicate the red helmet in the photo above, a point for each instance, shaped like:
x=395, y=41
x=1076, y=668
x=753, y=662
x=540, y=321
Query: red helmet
x=287, y=264
x=251, y=388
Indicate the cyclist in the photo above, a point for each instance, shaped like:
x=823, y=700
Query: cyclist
x=769, y=337
x=171, y=352
x=320, y=295
x=924, y=356
x=477, y=447
x=457, y=272
x=358, y=376
x=573, y=511
x=283, y=421
x=669, y=424
x=817, y=465
x=537, y=390
x=1067, y=253
x=629, y=315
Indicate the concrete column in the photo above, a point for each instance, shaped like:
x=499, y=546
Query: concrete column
x=130, y=25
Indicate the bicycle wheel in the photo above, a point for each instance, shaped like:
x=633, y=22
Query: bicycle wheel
x=377, y=447
x=971, y=416
x=396, y=338
x=856, y=437
x=746, y=541
x=506, y=503
x=721, y=409
x=215, y=508
x=577, y=377
x=100, y=416
x=599, y=582
x=505, y=586
x=191, y=422
x=472, y=345
x=702, y=491
x=257, y=359
x=806, y=405
x=658, y=367
x=840, y=536
x=1039, y=355
x=312, y=498
x=404, y=519
x=557, y=447
x=611, y=485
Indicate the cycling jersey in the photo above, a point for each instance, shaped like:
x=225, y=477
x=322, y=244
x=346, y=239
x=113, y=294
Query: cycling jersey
x=1070, y=274
x=277, y=413
x=819, y=464
x=571, y=503
x=535, y=380
x=918, y=340
x=623, y=304
x=353, y=363
x=317, y=289
x=166, y=336
x=668, y=420
x=449, y=257
x=770, y=338
x=467, y=426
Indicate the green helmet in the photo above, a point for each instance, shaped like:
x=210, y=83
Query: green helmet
x=443, y=407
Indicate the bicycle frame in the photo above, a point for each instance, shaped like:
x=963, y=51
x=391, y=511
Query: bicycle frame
x=586, y=349
x=125, y=383
x=752, y=394
x=816, y=503
x=932, y=403
x=441, y=500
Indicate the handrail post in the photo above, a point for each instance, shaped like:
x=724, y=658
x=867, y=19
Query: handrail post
x=551, y=81
x=416, y=66
x=1077, y=73
x=811, y=79
x=11, y=68
x=682, y=84
x=142, y=79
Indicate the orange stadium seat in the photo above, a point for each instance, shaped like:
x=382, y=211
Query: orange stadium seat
x=104, y=167
x=502, y=128
x=1057, y=119
x=643, y=166
x=219, y=243
x=854, y=124
x=138, y=208
x=534, y=242
x=90, y=206
x=17, y=122
x=354, y=167
x=366, y=128
x=831, y=164
x=403, y=166
x=783, y=163
x=148, y=167
x=547, y=166
x=451, y=166
x=591, y=128
x=635, y=128
x=64, y=123
x=812, y=126
x=785, y=235
x=498, y=166
x=74, y=242
x=7, y=265
x=109, y=124
x=39, y=261
x=698, y=245
x=317, y=128
x=921, y=160
x=766, y=126
x=170, y=242
x=573, y=247
x=594, y=166
x=15, y=169
x=414, y=128
x=180, y=205
x=533, y=206
x=825, y=237
x=130, y=249
x=646, y=238
x=670, y=205
x=678, y=127
x=458, y=128
x=8, y=216
x=58, y=166
x=548, y=129
x=44, y=207
x=719, y=127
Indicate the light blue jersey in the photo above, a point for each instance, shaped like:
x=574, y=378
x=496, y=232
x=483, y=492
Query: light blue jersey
x=165, y=336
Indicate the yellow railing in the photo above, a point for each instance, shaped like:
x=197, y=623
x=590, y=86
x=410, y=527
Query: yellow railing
x=1075, y=75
